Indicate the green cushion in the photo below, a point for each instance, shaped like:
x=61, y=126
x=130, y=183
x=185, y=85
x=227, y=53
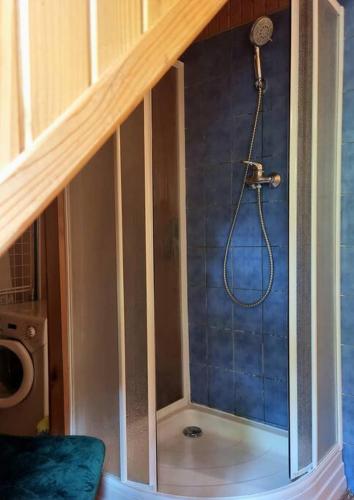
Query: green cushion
x=48, y=467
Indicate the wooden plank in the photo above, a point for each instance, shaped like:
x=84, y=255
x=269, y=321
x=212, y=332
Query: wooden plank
x=235, y=13
x=59, y=57
x=165, y=146
x=119, y=25
x=247, y=12
x=154, y=9
x=57, y=316
x=272, y=6
x=10, y=129
x=221, y=21
x=32, y=180
x=259, y=8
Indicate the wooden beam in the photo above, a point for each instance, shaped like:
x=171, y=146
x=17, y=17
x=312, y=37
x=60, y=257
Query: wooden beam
x=33, y=179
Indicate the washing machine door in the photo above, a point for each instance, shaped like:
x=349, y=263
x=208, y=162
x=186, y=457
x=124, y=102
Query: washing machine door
x=16, y=373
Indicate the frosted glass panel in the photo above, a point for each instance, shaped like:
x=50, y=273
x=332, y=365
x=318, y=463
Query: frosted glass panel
x=135, y=314
x=165, y=162
x=326, y=225
x=304, y=159
x=94, y=303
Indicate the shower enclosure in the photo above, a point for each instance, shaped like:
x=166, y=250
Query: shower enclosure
x=194, y=394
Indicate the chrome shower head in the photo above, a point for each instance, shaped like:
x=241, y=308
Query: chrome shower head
x=261, y=31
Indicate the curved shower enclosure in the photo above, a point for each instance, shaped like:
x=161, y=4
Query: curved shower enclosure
x=223, y=380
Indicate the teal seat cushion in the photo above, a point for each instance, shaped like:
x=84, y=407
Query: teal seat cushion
x=50, y=467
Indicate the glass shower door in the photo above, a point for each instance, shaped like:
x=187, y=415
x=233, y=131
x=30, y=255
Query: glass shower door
x=316, y=77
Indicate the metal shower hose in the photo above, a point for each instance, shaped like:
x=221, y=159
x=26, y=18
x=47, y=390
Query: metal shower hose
x=261, y=220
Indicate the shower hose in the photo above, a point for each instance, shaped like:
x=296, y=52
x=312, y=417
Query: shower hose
x=261, y=220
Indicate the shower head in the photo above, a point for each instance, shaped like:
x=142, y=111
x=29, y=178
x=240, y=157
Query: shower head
x=261, y=31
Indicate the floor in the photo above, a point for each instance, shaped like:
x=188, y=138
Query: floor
x=232, y=457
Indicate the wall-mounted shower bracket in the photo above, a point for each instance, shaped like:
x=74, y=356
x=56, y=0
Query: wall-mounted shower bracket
x=257, y=178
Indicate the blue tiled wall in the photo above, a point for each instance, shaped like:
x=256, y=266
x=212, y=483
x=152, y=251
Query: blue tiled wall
x=239, y=357
x=347, y=242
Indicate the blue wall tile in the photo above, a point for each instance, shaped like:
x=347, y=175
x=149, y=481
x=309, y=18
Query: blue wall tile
x=247, y=319
x=347, y=207
x=348, y=81
x=214, y=267
x=347, y=317
x=221, y=389
x=195, y=188
x=281, y=269
x=218, y=185
x=247, y=230
x=219, y=308
x=249, y=396
x=348, y=419
x=347, y=269
x=277, y=222
x=348, y=167
x=347, y=369
x=198, y=344
x=349, y=18
x=196, y=266
x=248, y=353
x=205, y=60
x=348, y=116
x=276, y=55
x=230, y=346
x=276, y=402
x=199, y=384
x=242, y=127
x=195, y=146
x=196, y=227
x=197, y=305
x=247, y=267
x=276, y=144
x=275, y=357
x=220, y=348
x=218, y=224
x=348, y=456
x=275, y=314
x=217, y=142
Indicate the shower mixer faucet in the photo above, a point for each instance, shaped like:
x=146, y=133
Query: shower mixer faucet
x=256, y=178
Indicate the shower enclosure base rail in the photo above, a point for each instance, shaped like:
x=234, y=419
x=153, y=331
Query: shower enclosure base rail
x=326, y=481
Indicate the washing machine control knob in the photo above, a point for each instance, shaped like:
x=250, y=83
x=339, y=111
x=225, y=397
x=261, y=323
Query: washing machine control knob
x=31, y=332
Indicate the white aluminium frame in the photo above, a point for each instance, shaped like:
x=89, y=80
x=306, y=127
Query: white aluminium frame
x=293, y=148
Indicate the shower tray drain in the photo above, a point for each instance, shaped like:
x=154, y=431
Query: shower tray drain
x=192, y=431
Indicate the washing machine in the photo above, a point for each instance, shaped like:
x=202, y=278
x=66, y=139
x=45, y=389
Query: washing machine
x=23, y=367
